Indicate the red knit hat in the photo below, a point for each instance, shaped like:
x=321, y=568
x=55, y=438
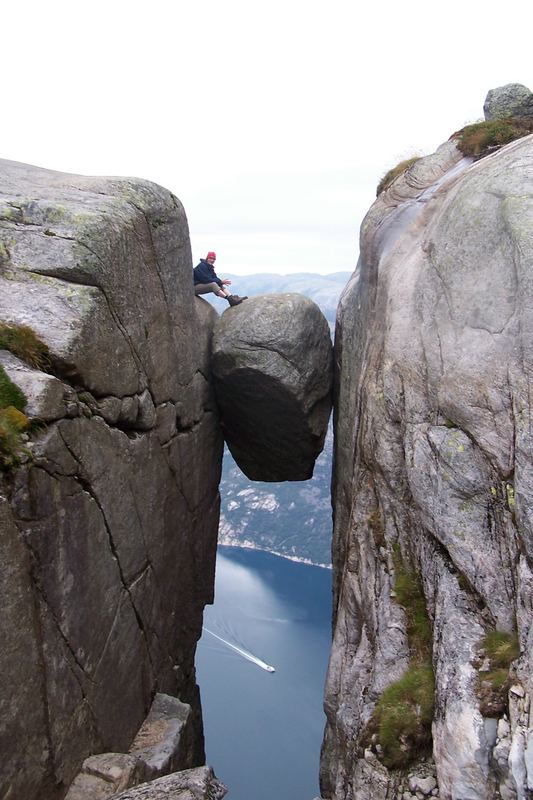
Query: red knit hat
x=211, y=255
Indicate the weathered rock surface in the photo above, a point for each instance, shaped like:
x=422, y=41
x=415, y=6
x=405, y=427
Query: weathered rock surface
x=164, y=742
x=114, y=776
x=107, y=774
x=47, y=397
x=434, y=356
x=511, y=100
x=192, y=784
x=108, y=535
x=272, y=364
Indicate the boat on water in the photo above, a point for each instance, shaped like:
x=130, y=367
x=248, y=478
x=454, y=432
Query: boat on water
x=244, y=653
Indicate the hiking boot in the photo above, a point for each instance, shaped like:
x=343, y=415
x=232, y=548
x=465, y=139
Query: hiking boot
x=235, y=300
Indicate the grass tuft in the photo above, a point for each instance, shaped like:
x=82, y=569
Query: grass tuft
x=482, y=138
x=501, y=649
x=403, y=717
x=410, y=596
x=393, y=173
x=13, y=422
x=12, y=425
x=497, y=678
x=16, y=420
x=24, y=343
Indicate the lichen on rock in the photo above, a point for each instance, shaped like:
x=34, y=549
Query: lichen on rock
x=511, y=100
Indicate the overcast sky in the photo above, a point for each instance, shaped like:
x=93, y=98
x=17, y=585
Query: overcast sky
x=272, y=122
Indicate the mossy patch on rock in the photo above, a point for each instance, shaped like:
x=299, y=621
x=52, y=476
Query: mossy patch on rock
x=403, y=717
x=410, y=596
x=24, y=343
x=10, y=395
x=13, y=422
x=499, y=649
x=482, y=138
x=400, y=727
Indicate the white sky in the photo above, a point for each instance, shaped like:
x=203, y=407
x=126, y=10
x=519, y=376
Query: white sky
x=272, y=122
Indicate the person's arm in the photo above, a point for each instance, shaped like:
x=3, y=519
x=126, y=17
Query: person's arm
x=216, y=279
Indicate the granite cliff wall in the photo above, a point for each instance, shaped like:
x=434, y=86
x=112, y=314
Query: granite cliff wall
x=432, y=483
x=109, y=529
x=109, y=512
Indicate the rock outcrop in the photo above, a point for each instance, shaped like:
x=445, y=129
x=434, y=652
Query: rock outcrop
x=192, y=784
x=272, y=365
x=108, y=531
x=511, y=100
x=164, y=741
x=433, y=480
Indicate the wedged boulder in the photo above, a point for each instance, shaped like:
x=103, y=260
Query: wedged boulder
x=272, y=363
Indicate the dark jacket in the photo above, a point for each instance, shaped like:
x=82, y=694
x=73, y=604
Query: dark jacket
x=204, y=273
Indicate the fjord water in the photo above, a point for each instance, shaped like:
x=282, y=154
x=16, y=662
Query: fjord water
x=263, y=730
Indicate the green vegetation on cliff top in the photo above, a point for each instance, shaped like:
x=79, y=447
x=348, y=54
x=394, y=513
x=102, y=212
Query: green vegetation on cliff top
x=478, y=139
x=483, y=138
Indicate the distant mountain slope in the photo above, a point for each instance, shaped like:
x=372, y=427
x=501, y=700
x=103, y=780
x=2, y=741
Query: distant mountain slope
x=292, y=519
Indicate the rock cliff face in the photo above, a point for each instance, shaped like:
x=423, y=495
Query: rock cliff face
x=433, y=477
x=109, y=531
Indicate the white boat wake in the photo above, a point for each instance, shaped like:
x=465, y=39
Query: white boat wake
x=243, y=653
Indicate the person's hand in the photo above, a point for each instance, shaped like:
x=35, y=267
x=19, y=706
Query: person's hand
x=226, y=282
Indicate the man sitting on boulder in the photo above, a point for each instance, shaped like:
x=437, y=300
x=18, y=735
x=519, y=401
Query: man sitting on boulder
x=206, y=280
